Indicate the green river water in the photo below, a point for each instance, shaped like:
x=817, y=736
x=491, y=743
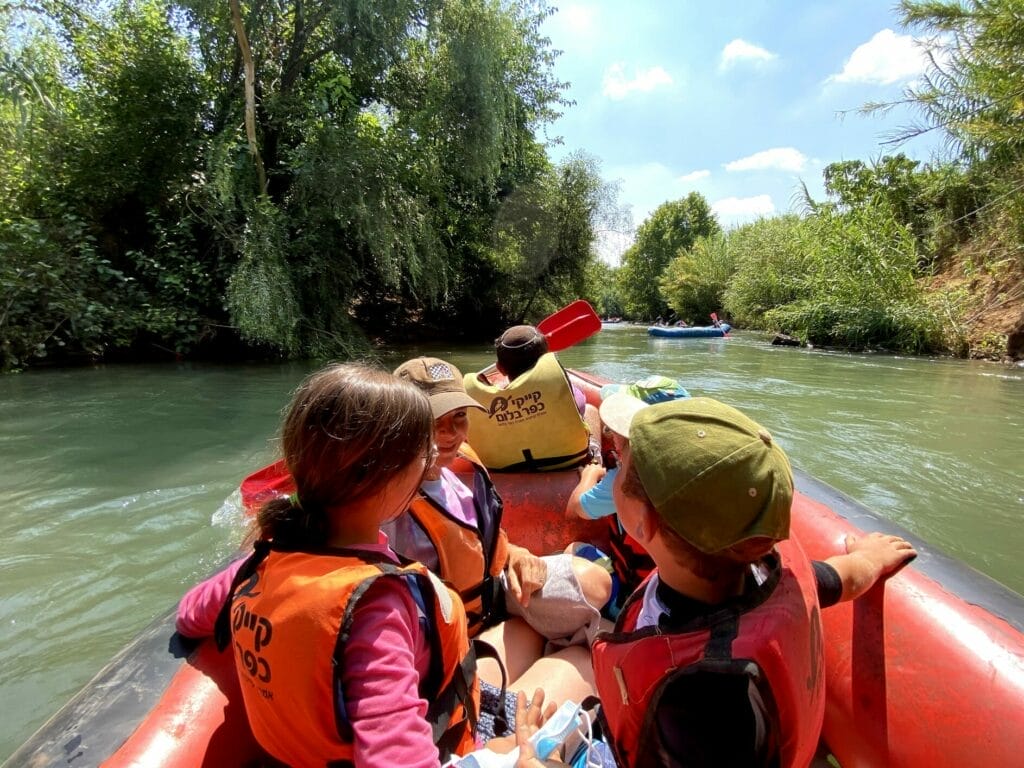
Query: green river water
x=117, y=481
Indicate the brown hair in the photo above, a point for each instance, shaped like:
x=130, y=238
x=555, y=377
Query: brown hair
x=348, y=430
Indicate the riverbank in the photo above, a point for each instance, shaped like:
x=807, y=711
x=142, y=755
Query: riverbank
x=989, y=281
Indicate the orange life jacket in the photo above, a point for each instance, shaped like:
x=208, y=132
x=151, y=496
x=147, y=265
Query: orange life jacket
x=781, y=635
x=469, y=559
x=291, y=614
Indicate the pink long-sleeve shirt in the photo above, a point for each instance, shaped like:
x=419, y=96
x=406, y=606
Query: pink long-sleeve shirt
x=385, y=657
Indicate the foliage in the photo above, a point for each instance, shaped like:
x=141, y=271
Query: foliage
x=391, y=133
x=672, y=228
x=860, y=287
x=546, y=235
x=695, y=281
x=974, y=89
x=602, y=289
x=773, y=258
x=61, y=294
x=937, y=203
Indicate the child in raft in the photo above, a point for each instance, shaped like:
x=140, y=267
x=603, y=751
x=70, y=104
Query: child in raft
x=591, y=499
x=717, y=658
x=456, y=532
x=538, y=421
x=345, y=654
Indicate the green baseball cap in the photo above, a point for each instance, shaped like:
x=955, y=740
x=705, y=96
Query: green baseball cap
x=714, y=475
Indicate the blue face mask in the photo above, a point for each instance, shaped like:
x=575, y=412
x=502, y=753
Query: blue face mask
x=546, y=740
x=556, y=729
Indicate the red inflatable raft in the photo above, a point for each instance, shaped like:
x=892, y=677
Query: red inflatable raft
x=925, y=670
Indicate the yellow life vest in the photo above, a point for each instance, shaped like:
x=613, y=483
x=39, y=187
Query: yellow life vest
x=289, y=623
x=533, y=424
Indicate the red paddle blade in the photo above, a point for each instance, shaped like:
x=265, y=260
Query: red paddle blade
x=265, y=484
x=570, y=325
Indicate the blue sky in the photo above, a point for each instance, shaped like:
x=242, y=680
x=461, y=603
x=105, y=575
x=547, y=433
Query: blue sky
x=737, y=100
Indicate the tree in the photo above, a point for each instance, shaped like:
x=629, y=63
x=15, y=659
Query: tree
x=974, y=89
x=94, y=251
x=546, y=236
x=386, y=135
x=694, y=282
x=388, y=132
x=672, y=228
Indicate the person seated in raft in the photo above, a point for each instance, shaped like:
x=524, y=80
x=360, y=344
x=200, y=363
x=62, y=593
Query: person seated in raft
x=456, y=531
x=346, y=653
x=591, y=499
x=537, y=422
x=732, y=609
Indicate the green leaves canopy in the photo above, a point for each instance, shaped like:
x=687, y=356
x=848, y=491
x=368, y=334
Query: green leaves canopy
x=671, y=229
x=391, y=133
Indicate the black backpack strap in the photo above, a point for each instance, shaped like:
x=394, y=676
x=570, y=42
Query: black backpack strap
x=222, y=626
x=485, y=650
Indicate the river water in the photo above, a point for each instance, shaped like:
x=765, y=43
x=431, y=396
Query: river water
x=117, y=480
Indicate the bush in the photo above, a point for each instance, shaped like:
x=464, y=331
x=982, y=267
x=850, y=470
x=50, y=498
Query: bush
x=694, y=282
x=772, y=261
x=861, y=288
x=60, y=294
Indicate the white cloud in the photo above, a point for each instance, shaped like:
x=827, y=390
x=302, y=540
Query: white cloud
x=688, y=178
x=739, y=51
x=581, y=19
x=735, y=210
x=885, y=59
x=617, y=86
x=779, y=158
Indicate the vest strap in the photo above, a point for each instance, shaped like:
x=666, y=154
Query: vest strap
x=222, y=625
x=530, y=464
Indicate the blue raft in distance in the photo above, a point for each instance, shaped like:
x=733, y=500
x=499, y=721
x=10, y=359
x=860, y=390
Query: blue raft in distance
x=690, y=331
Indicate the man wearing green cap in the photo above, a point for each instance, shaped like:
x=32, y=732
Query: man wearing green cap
x=716, y=659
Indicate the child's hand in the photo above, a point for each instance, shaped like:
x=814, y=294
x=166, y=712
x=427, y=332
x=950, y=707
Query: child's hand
x=885, y=552
x=529, y=719
x=591, y=475
x=526, y=573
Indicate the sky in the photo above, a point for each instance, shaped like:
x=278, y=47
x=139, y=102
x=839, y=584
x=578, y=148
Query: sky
x=739, y=100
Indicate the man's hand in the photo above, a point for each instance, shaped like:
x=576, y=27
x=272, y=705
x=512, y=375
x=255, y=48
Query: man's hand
x=526, y=573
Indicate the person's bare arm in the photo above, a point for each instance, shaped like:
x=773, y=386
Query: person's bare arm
x=526, y=573
x=590, y=475
x=867, y=559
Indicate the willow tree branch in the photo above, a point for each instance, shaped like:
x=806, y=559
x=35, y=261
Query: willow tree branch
x=250, y=93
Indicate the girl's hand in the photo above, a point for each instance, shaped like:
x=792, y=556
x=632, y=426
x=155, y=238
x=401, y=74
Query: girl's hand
x=528, y=720
x=526, y=573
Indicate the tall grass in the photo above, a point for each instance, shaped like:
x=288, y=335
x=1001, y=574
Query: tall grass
x=839, y=278
x=694, y=282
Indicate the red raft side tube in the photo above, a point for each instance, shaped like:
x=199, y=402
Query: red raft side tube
x=927, y=669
